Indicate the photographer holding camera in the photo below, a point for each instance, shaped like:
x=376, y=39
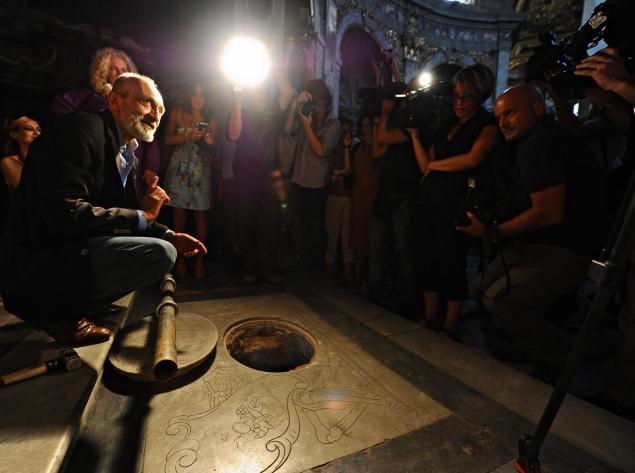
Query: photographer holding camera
x=392, y=216
x=317, y=137
x=456, y=154
x=548, y=240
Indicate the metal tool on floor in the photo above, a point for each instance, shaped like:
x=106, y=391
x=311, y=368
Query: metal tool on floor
x=68, y=360
x=165, y=345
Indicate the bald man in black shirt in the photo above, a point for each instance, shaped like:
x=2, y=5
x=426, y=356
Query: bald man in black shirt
x=553, y=231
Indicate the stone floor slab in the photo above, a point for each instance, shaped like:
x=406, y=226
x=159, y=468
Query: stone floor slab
x=578, y=421
x=427, y=449
x=392, y=324
x=234, y=418
x=41, y=416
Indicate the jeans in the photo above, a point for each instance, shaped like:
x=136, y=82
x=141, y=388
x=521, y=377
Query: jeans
x=338, y=227
x=121, y=264
x=538, y=274
x=309, y=234
x=386, y=233
x=258, y=217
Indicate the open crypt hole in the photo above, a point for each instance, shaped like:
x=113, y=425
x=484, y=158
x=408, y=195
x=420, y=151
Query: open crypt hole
x=270, y=345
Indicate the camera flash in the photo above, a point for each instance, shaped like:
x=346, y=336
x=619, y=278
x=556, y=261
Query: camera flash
x=245, y=61
x=425, y=79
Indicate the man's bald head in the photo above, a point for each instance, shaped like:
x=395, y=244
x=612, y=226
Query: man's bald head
x=518, y=109
x=136, y=105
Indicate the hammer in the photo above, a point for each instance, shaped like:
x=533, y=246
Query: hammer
x=68, y=360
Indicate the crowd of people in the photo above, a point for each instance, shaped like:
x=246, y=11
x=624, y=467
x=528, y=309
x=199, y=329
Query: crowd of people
x=383, y=205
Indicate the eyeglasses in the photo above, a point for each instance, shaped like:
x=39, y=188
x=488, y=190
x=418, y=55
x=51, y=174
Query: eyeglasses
x=31, y=129
x=465, y=98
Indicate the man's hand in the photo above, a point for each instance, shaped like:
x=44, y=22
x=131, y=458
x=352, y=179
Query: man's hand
x=475, y=228
x=186, y=245
x=303, y=97
x=307, y=120
x=148, y=176
x=154, y=199
x=606, y=68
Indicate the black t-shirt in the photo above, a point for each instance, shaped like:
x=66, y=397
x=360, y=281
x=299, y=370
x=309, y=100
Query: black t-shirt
x=448, y=189
x=550, y=156
x=399, y=172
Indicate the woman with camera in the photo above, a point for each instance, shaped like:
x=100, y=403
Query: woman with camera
x=455, y=155
x=188, y=177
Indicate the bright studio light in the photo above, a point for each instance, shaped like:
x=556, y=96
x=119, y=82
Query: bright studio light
x=245, y=61
x=425, y=79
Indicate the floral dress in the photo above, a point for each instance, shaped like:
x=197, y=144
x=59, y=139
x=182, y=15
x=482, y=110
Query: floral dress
x=188, y=177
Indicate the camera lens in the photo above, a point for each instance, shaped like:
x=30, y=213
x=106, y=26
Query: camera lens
x=307, y=108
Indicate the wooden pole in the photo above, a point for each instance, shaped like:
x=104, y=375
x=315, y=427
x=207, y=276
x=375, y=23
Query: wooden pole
x=164, y=366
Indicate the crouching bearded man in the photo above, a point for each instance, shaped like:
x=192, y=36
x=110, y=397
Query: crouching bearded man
x=77, y=238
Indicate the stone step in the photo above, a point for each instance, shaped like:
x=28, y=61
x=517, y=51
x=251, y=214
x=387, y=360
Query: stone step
x=602, y=434
x=41, y=417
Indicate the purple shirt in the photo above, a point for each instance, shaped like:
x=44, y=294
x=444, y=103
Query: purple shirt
x=79, y=100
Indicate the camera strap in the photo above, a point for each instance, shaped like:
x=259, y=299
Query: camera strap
x=490, y=248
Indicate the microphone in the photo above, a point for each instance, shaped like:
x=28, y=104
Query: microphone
x=107, y=88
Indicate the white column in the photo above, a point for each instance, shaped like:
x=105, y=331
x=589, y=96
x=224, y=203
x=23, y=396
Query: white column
x=502, y=70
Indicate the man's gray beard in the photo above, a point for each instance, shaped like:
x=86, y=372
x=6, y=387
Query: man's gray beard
x=138, y=130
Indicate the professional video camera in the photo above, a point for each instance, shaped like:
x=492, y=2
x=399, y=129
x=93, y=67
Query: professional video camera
x=371, y=97
x=429, y=107
x=554, y=63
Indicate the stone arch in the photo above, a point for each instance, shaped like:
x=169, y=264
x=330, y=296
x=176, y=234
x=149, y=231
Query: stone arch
x=441, y=57
x=355, y=19
x=352, y=20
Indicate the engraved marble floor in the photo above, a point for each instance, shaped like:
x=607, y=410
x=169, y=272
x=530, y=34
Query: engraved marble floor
x=234, y=418
x=382, y=396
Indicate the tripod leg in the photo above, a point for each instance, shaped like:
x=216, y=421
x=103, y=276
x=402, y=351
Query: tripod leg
x=607, y=275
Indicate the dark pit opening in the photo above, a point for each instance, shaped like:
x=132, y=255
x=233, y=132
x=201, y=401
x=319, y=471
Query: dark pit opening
x=270, y=345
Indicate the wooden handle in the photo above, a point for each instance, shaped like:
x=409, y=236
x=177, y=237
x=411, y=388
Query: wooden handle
x=23, y=374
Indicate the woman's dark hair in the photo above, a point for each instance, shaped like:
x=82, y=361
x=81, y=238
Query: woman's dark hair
x=186, y=98
x=319, y=91
x=478, y=79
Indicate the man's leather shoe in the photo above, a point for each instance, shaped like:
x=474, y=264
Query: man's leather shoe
x=84, y=332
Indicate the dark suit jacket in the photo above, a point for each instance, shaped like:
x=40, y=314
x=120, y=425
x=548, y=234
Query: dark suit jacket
x=70, y=191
